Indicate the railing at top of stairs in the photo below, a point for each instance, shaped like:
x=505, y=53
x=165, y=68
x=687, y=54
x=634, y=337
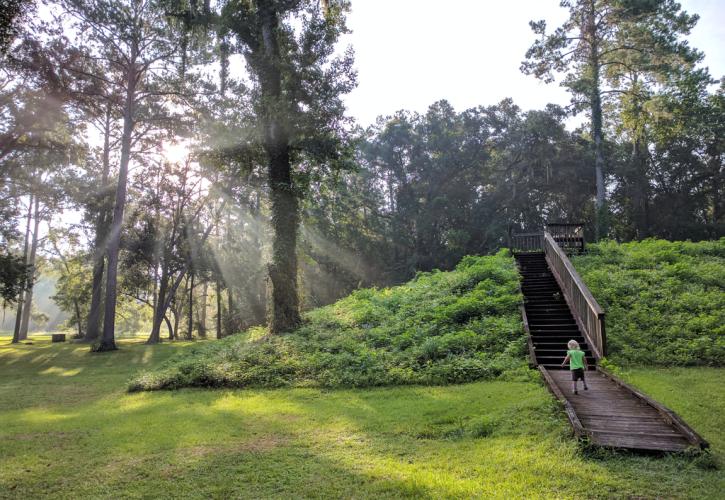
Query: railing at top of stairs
x=588, y=313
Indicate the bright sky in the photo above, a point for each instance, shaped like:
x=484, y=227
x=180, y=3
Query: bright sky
x=411, y=53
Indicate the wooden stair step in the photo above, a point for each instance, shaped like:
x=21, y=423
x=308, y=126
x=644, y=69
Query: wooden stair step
x=610, y=413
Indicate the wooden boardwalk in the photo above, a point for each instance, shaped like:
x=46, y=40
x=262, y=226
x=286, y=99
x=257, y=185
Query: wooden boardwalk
x=559, y=307
x=613, y=416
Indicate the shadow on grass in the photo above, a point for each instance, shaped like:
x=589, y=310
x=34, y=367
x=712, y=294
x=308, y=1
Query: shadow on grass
x=80, y=434
x=47, y=375
x=298, y=442
x=307, y=442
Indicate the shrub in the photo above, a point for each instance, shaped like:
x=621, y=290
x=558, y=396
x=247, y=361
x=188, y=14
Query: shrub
x=440, y=328
x=664, y=300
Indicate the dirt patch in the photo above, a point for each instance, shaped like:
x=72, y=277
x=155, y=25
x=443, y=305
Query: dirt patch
x=34, y=436
x=260, y=444
x=183, y=456
x=289, y=417
x=171, y=463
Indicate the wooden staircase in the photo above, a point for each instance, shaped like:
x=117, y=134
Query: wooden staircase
x=558, y=307
x=551, y=323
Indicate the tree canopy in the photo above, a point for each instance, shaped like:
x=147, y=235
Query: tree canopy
x=217, y=182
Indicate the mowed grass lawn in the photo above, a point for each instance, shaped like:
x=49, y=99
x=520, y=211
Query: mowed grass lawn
x=68, y=429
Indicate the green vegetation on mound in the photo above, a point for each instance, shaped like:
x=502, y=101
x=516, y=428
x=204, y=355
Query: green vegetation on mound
x=665, y=301
x=441, y=327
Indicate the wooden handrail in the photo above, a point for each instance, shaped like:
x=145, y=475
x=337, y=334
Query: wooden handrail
x=587, y=312
x=576, y=424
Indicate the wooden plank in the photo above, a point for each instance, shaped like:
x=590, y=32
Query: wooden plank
x=670, y=416
x=632, y=422
x=633, y=439
x=646, y=436
x=633, y=430
x=639, y=444
x=641, y=436
x=614, y=408
x=588, y=413
x=616, y=418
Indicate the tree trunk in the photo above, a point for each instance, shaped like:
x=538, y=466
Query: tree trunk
x=160, y=308
x=99, y=244
x=285, y=221
x=79, y=321
x=25, y=321
x=108, y=342
x=218, y=309
x=640, y=196
x=202, y=310
x=19, y=310
x=190, y=332
x=169, y=326
x=231, y=312
x=716, y=168
x=177, y=315
x=597, y=134
x=285, y=313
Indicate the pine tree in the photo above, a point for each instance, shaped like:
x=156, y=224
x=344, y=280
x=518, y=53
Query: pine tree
x=140, y=52
x=288, y=46
x=599, y=44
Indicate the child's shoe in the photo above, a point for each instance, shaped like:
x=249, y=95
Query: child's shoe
x=586, y=388
x=576, y=392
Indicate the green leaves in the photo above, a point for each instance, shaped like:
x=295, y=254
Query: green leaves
x=664, y=300
x=440, y=328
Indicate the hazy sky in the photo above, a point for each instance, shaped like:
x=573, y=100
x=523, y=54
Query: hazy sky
x=410, y=53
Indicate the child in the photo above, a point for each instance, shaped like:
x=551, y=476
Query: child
x=577, y=364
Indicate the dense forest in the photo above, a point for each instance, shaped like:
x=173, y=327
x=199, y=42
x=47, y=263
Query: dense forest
x=164, y=192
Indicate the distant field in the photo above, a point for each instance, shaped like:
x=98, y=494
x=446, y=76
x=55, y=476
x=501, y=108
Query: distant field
x=70, y=430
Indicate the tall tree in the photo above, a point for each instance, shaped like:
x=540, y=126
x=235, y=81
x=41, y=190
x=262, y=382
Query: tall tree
x=25, y=277
x=297, y=82
x=101, y=201
x=598, y=40
x=22, y=333
x=134, y=37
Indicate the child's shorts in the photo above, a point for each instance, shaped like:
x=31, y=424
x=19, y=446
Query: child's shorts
x=577, y=374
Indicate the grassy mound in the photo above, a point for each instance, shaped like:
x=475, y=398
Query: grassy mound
x=665, y=301
x=442, y=327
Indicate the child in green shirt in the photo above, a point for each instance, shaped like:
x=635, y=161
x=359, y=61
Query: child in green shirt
x=577, y=364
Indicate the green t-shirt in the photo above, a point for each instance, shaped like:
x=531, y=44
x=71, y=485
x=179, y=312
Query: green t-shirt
x=576, y=359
